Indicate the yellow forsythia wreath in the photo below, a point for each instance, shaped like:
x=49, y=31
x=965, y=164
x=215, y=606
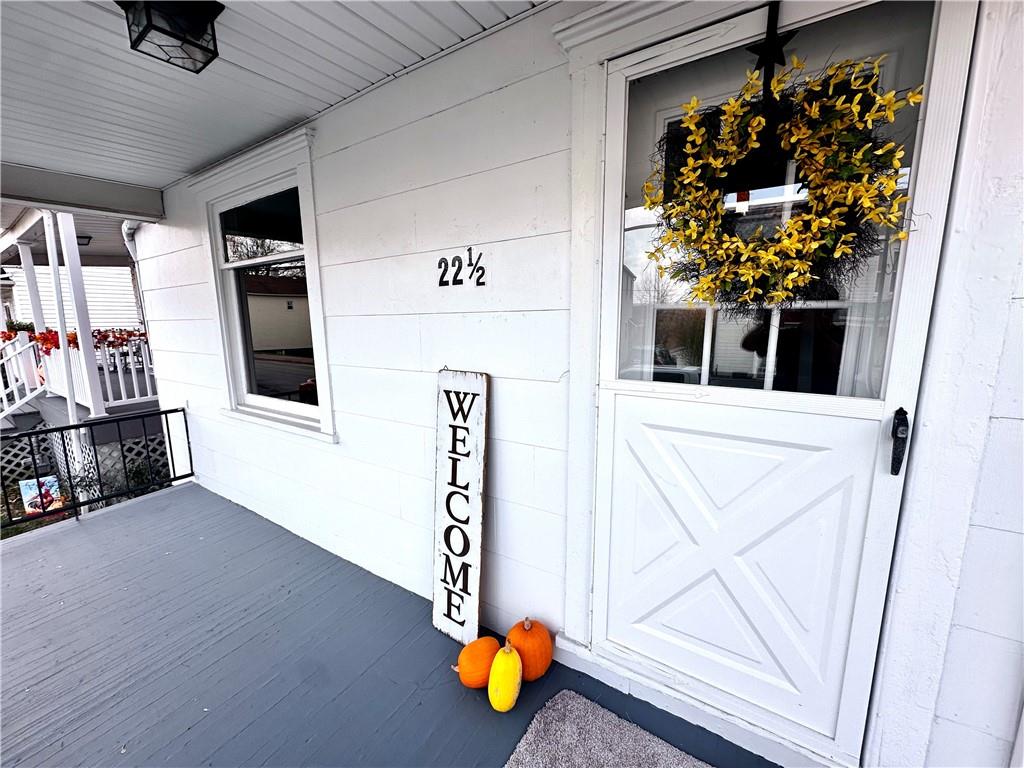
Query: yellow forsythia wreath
x=828, y=125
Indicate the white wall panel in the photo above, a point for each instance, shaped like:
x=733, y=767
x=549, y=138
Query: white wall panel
x=186, y=302
x=529, y=412
x=522, y=200
x=998, y=503
x=981, y=688
x=417, y=500
x=196, y=397
x=990, y=583
x=394, y=342
x=198, y=336
x=187, y=266
x=521, y=274
x=522, y=410
x=521, y=474
x=504, y=344
x=529, y=345
x=955, y=746
x=190, y=368
x=182, y=228
x=1009, y=397
x=405, y=396
x=543, y=549
x=408, y=448
x=519, y=590
x=466, y=139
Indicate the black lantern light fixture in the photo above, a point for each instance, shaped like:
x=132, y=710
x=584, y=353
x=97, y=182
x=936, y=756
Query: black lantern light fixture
x=180, y=33
x=83, y=240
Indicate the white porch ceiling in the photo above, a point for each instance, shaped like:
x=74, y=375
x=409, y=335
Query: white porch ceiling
x=106, y=246
x=75, y=99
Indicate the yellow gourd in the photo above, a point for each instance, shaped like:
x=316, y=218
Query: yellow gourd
x=506, y=678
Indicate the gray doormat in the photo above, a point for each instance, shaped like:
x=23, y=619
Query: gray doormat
x=574, y=732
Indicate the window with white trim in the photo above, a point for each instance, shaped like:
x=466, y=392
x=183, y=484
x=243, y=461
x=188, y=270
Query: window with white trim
x=263, y=268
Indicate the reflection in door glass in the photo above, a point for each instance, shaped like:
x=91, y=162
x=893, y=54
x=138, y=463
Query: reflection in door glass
x=736, y=356
x=834, y=342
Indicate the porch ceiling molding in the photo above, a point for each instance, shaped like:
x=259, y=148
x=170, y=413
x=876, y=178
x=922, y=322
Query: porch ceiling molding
x=262, y=154
x=70, y=192
x=614, y=29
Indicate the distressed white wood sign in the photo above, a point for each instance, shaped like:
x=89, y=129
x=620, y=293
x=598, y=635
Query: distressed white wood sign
x=458, y=501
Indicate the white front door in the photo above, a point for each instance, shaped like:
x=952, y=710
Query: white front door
x=746, y=511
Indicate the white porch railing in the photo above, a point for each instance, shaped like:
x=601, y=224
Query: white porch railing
x=56, y=380
x=125, y=372
x=19, y=359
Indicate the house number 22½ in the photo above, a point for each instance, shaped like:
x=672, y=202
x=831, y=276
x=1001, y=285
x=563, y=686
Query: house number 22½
x=451, y=271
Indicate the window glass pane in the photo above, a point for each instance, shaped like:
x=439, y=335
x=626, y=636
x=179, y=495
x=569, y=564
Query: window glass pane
x=737, y=344
x=678, y=344
x=276, y=331
x=263, y=227
x=810, y=350
x=834, y=341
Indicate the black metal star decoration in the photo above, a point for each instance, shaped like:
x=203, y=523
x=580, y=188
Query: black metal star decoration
x=771, y=50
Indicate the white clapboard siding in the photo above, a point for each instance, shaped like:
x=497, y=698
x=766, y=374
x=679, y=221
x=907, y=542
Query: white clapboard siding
x=530, y=273
x=452, y=144
x=108, y=291
x=526, y=199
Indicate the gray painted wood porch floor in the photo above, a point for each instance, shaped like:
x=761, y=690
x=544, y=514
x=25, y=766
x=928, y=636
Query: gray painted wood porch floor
x=182, y=629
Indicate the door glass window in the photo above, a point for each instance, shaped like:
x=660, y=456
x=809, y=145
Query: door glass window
x=834, y=344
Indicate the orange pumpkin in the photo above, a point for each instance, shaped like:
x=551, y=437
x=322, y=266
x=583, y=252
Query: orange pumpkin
x=532, y=641
x=475, y=662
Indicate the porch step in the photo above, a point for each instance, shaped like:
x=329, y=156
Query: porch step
x=25, y=406
x=20, y=422
x=54, y=410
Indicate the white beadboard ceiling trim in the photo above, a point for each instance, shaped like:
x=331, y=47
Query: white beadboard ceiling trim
x=76, y=100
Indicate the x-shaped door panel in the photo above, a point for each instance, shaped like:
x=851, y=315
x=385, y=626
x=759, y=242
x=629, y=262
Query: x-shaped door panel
x=734, y=548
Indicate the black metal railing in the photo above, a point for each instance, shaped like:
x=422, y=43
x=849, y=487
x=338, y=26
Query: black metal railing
x=59, y=470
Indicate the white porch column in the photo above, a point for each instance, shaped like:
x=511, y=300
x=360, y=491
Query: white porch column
x=62, y=325
x=29, y=268
x=79, y=305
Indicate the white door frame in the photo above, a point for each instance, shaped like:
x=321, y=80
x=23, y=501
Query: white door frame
x=610, y=31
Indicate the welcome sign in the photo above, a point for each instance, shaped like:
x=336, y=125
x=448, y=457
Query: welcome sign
x=459, y=502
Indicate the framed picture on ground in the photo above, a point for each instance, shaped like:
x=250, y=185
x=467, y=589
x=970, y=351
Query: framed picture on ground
x=40, y=495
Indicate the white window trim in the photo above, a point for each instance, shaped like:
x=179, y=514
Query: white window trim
x=291, y=171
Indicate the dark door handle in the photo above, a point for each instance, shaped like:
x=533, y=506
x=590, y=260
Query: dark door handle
x=900, y=433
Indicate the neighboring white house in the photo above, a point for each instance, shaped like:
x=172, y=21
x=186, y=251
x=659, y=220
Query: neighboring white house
x=708, y=527
x=110, y=291
x=279, y=319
